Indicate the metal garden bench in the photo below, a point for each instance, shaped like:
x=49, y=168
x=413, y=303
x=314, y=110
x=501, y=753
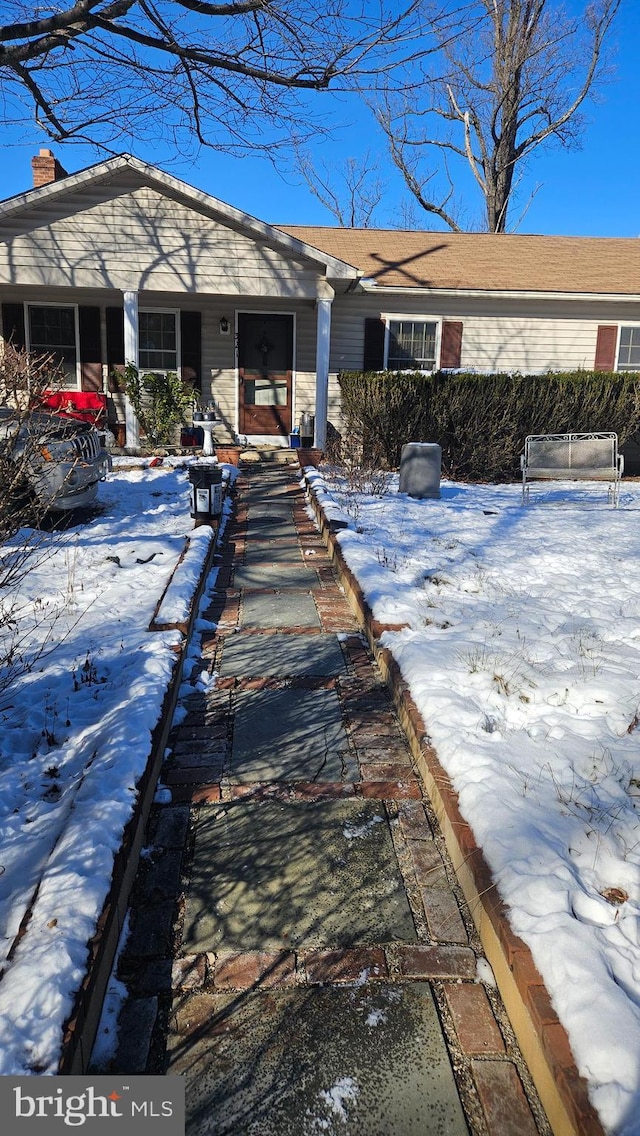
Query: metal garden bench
x=572, y=457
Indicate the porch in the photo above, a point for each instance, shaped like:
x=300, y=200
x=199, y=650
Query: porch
x=262, y=363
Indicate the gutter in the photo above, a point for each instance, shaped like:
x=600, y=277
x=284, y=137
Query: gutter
x=371, y=286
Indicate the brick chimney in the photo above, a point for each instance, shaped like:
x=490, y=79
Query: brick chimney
x=46, y=168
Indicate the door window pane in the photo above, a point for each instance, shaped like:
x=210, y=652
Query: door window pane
x=157, y=344
x=265, y=392
x=412, y=344
x=52, y=331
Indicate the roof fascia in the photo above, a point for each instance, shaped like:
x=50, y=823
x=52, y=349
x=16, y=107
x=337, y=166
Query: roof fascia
x=497, y=293
x=62, y=186
x=332, y=266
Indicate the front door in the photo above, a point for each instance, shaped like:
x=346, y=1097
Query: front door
x=265, y=366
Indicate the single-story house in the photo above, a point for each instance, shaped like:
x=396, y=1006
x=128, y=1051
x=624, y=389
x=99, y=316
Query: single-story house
x=122, y=263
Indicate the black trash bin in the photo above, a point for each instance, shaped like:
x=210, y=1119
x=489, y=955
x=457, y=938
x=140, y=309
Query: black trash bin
x=206, y=491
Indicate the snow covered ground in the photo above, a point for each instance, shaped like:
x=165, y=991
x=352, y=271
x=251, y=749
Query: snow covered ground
x=522, y=651
x=75, y=730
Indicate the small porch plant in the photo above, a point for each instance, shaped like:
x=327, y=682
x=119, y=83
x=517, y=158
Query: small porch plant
x=161, y=402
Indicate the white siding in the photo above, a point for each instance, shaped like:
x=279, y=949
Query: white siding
x=528, y=344
x=305, y=363
x=142, y=240
x=515, y=335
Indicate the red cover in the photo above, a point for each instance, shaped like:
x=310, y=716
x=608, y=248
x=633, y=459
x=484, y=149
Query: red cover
x=90, y=406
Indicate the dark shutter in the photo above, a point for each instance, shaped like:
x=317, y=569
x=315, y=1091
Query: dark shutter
x=115, y=343
x=606, y=348
x=191, y=347
x=374, y=330
x=451, y=344
x=13, y=329
x=90, y=349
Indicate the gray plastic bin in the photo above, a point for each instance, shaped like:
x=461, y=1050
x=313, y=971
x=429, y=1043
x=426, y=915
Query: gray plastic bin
x=420, y=466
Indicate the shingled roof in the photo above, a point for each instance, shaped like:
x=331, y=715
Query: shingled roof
x=483, y=261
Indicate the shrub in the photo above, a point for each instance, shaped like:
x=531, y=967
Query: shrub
x=160, y=402
x=481, y=421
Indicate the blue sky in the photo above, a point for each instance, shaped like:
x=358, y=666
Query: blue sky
x=593, y=191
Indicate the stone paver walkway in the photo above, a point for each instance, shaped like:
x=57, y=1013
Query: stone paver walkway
x=299, y=950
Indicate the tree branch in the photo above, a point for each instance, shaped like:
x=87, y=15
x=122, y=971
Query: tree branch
x=71, y=17
x=189, y=68
x=515, y=76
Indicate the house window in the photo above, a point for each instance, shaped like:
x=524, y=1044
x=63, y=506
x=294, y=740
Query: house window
x=157, y=341
x=629, y=349
x=53, y=331
x=411, y=345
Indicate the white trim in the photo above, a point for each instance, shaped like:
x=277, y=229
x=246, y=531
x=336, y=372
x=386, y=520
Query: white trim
x=330, y=266
x=617, y=368
x=175, y=312
x=387, y=317
x=130, y=309
x=76, y=326
x=501, y=294
x=275, y=440
x=615, y=361
x=323, y=349
x=294, y=352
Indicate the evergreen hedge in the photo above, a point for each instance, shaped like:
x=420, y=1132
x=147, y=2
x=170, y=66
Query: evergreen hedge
x=481, y=421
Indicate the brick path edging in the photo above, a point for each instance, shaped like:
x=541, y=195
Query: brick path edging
x=541, y=1036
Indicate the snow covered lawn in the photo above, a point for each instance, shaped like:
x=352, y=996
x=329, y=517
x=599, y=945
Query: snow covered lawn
x=522, y=649
x=522, y=652
x=75, y=731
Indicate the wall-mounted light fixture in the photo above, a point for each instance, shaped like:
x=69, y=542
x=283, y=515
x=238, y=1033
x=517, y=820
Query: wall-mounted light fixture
x=225, y=326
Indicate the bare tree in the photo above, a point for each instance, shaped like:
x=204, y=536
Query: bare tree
x=29, y=629
x=222, y=74
x=351, y=191
x=512, y=79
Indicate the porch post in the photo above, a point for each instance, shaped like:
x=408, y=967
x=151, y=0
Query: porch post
x=131, y=356
x=323, y=343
